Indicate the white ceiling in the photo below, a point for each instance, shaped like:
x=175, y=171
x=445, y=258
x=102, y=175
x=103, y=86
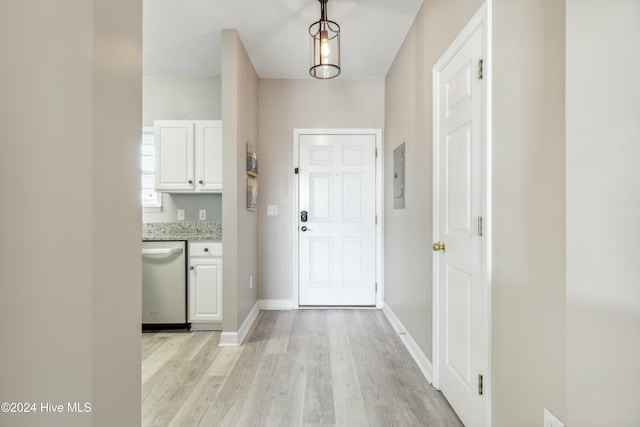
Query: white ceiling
x=182, y=37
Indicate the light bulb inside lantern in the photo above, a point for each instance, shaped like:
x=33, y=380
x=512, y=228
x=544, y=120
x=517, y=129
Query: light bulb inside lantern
x=324, y=43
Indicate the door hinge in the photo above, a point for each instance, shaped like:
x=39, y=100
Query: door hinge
x=296, y=170
x=480, y=385
x=376, y=219
x=376, y=152
x=376, y=286
x=480, y=69
x=480, y=228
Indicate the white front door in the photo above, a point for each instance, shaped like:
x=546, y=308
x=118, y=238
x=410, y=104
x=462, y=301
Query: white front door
x=336, y=220
x=458, y=117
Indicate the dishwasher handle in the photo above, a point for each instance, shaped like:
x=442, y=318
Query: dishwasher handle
x=162, y=251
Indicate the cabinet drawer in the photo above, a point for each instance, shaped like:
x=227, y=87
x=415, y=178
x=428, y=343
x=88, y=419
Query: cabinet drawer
x=208, y=249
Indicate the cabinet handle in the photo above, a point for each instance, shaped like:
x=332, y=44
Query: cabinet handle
x=200, y=182
x=190, y=182
x=161, y=251
x=191, y=268
x=206, y=249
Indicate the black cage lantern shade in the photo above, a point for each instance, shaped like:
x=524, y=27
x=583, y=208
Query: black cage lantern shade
x=325, y=46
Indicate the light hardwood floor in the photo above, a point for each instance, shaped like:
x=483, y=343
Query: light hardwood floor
x=296, y=368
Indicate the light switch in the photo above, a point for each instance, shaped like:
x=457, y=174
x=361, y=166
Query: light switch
x=272, y=210
x=180, y=214
x=203, y=215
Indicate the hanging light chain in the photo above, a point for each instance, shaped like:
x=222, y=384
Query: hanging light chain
x=325, y=51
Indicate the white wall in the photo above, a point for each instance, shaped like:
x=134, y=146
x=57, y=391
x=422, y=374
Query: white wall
x=408, y=109
x=116, y=212
x=191, y=203
x=528, y=212
x=240, y=226
x=603, y=207
x=69, y=143
x=181, y=98
x=285, y=105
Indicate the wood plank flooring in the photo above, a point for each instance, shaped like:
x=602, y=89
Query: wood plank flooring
x=296, y=368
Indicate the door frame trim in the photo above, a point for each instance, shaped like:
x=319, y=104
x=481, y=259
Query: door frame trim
x=482, y=18
x=379, y=191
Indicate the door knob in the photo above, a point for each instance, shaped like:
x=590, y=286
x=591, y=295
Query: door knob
x=305, y=228
x=438, y=246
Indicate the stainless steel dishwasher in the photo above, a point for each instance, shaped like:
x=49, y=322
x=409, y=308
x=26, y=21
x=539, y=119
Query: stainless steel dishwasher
x=164, y=289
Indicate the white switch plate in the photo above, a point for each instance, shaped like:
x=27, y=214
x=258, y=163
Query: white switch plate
x=551, y=420
x=180, y=214
x=203, y=215
x=251, y=281
x=272, y=210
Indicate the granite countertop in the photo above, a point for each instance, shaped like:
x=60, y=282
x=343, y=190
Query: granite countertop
x=182, y=230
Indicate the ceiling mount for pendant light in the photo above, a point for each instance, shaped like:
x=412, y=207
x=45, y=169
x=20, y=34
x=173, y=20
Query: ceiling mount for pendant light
x=325, y=46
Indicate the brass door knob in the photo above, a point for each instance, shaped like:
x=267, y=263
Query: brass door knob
x=439, y=246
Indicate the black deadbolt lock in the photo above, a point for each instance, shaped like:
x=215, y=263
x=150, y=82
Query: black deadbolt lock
x=303, y=216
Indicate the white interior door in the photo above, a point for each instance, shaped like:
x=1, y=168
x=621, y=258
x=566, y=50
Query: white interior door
x=337, y=241
x=458, y=263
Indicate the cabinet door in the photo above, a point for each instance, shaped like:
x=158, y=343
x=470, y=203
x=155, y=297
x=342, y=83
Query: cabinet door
x=174, y=155
x=208, y=141
x=205, y=290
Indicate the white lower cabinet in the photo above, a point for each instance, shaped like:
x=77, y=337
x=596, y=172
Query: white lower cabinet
x=205, y=285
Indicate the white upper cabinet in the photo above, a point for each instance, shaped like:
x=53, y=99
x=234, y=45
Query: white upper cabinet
x=175, y=152
x=209, y=155
x=188, y=156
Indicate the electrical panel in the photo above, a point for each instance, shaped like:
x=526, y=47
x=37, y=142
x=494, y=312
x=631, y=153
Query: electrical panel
x=398, y=176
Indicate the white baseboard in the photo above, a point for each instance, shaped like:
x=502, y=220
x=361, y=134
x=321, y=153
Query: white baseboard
x=206, y=326
x=416, y=352
x=229, y=339
x=276, y=304
x=235, y=339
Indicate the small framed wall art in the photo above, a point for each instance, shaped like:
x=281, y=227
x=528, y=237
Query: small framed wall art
x=252, y=161
x=252, y=194
x=252, y=178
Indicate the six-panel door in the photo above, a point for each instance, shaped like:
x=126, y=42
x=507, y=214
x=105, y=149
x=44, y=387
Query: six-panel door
x=337, y=242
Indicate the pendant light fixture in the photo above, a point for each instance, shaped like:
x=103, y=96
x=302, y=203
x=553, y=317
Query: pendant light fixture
x=325, y=46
